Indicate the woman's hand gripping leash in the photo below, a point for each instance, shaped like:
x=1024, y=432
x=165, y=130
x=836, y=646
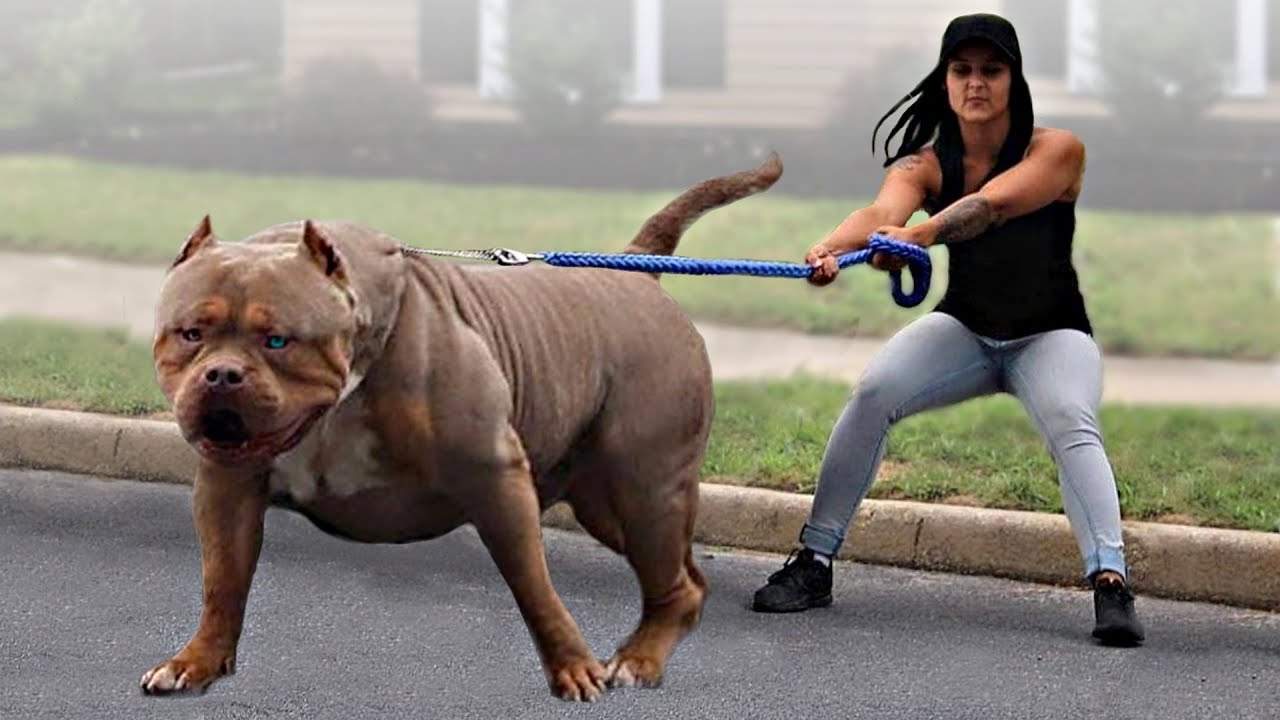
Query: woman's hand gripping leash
x=823, y=262
x=826, y=266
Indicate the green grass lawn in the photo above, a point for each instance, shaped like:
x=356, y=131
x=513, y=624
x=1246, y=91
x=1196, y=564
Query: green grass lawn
x=61, y=366
x=1209, y=467
x=1154, y=284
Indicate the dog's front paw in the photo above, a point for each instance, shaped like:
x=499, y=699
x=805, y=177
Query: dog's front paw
x=578, y=680
x=188, y=673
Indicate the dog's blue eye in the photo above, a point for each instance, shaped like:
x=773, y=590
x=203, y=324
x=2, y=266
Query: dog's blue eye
x=275, y=342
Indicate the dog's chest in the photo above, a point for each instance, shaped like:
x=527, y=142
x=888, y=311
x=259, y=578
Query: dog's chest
x=337, y=459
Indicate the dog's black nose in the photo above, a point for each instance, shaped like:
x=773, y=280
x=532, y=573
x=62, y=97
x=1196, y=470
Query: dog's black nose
x=224, y=377
x=224, y=426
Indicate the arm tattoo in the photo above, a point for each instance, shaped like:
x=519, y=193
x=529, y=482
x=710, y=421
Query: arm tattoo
x=965, y=219
x=908, y=163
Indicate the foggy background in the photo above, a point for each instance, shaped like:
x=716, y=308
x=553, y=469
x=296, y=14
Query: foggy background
x=1177, y=102
x=123, y=121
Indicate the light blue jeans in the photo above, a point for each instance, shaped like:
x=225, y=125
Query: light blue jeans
x=936, y=361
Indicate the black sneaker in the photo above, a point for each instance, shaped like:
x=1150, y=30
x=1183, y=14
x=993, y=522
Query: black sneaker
x=802, y=583
x=1115, y=624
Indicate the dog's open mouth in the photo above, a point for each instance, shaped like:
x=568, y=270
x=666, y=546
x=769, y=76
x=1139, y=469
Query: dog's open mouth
x=225, y=438
x=224, y=428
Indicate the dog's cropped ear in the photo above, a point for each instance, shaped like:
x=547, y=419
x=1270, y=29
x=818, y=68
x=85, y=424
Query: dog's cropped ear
x=201, y=237
x=317, y=247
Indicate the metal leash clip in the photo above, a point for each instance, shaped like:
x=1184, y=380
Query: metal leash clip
x=507, y=256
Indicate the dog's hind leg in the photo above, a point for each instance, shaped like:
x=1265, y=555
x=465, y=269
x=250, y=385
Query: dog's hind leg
x=653, y=530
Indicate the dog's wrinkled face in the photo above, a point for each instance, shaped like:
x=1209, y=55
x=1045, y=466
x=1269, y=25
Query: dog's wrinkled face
x=253, y=342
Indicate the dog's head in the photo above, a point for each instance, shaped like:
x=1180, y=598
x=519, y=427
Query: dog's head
x=253, y=342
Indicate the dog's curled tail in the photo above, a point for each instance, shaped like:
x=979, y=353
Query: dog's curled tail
x=661, y=232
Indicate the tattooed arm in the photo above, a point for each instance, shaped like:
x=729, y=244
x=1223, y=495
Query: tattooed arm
x=1052, y=170
x=901, y=193
x=905, y=185
x=964, y=219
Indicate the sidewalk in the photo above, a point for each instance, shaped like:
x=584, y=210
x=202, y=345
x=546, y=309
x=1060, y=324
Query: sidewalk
x=103, y=294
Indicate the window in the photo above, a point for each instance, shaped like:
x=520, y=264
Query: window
x=1228, y=35
x=609, y=22
x=449, y=41
x=657, y=43
x=631, y=26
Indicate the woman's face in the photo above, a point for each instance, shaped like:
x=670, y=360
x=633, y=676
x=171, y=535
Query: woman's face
x=978, y=82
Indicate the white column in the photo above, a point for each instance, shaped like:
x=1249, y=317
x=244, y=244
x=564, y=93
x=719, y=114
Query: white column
x=646, y=42
x=1251, y=48
x=1082, y=45
x=494, y=82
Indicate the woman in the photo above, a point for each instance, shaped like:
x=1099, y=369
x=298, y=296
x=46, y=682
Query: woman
x=1001, y=195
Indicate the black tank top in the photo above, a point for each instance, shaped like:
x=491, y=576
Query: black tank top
x=1017, y=279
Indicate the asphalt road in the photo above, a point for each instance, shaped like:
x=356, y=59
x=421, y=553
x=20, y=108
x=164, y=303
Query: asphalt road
x=99, y=580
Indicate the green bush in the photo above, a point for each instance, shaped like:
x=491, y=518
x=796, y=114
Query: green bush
x=350, y=105
x=1162, y=64
x=867, y=93
x=70, y=72
x=565, y=76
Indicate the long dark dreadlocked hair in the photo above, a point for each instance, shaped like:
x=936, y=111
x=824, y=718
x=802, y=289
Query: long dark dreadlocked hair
x=930, y=118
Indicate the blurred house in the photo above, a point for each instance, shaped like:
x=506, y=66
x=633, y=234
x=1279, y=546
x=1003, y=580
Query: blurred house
x=759, y=63
x=499, y=91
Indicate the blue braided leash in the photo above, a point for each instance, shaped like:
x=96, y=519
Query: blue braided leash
x=917, y=258
x=917, y=261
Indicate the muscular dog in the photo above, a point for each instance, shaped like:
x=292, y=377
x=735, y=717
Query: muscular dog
x=392, y=398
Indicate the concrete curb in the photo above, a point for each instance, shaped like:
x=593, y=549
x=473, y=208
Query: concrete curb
x=1230, y=567
x=94, y=444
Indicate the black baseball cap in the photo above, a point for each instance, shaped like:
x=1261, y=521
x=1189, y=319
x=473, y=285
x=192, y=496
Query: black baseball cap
x=981, y=26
